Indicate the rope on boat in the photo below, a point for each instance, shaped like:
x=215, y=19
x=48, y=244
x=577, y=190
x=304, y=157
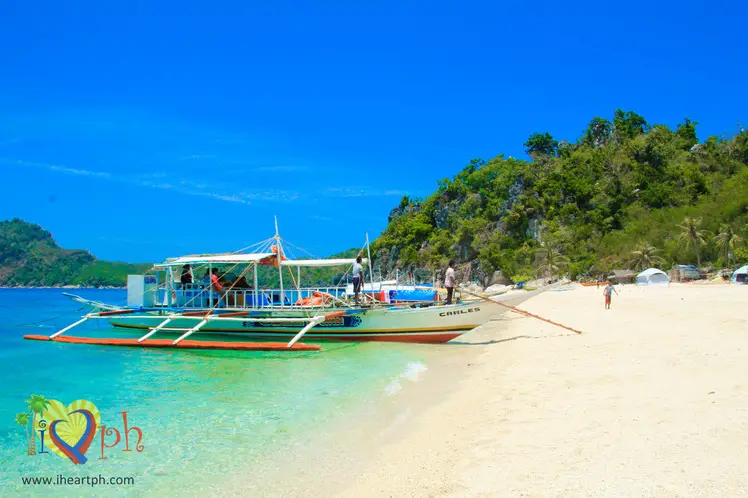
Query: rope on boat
x=263, y=246
x=526, y=313
x=29, y=324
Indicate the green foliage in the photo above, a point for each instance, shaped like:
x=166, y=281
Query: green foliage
x=687, y=133
x=541, y=144
x=629, y=125
x=624, y=187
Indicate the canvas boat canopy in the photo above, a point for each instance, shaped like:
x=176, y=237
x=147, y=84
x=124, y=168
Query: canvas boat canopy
x=254, y=257
x=319, y=262
x=217, y=258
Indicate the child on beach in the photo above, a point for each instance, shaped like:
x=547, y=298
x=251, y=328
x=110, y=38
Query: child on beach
x=608, y=292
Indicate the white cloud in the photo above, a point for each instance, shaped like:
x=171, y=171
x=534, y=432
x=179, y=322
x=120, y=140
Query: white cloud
x=280, y=168
x=218, y=190
x=9, y=141
x=80, y=172
x=363, y=192
x=197, y=157
x=182, y=185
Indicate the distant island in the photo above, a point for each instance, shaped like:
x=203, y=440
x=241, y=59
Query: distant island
x=30, y=257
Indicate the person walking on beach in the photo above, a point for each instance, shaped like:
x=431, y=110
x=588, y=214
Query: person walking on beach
x=358, y=271
x=608, y=293
x=449, y=281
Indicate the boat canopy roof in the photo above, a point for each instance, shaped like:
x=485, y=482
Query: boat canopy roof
x=319, y=262
x=201, y=259
x=216, y=258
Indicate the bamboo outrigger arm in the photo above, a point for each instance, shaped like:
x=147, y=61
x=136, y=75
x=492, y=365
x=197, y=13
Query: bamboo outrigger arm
x=204, y=319
x=155, y=329
x=101, y=314
x=315, y=321
x=62, y=331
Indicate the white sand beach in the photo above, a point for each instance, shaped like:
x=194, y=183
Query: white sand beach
x=652, y=400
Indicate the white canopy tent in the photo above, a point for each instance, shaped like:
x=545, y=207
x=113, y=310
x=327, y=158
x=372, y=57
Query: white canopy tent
x=652, y=276
x=740, y=276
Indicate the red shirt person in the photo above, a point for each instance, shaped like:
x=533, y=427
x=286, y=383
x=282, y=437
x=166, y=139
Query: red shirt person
x=215, y=282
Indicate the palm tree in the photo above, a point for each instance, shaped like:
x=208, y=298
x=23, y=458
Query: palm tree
x=692, y=235
x=22, y=419
x=727, y=240
x=645, y=256
x=550, y=260
x=36, y=404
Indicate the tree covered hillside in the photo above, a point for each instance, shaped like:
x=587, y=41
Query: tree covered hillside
x=29, y=256
x=626, y=194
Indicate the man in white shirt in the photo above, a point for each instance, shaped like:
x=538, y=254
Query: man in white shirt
x=358, y=273
x=449, y=281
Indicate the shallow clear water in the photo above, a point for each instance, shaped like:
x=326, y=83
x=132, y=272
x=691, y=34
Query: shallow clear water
x=205, y=415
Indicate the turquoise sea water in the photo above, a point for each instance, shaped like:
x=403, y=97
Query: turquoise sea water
x=205, y=415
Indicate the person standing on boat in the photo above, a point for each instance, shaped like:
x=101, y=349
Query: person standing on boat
x=215, y=284
x=449, y=281
x=358, y=277
x=187, y=276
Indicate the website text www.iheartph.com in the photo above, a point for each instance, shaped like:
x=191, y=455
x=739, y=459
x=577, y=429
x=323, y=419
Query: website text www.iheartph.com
x=61, y=480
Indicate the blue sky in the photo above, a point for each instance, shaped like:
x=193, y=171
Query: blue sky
x=141, y=132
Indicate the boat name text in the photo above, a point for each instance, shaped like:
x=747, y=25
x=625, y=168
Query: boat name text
x=458, y=312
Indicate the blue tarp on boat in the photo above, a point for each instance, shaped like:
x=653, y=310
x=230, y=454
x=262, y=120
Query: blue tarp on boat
x=413, y=295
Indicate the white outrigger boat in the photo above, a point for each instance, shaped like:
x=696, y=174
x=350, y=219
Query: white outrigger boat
x=160, y=304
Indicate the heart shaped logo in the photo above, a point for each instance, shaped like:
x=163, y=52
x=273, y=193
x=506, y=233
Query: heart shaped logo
x=69, y=430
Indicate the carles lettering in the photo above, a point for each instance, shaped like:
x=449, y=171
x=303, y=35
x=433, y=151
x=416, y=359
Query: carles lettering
x=458, y=312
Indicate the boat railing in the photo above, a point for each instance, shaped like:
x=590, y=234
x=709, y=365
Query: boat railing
x=200, y=295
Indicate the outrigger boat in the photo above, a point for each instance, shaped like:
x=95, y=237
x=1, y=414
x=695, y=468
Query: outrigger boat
x=158, y=303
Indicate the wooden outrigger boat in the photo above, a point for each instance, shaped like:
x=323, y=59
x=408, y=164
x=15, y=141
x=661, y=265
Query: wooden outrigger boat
x=159, y=304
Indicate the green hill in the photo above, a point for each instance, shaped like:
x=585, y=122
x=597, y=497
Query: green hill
x=626, y=194
x=29, y=256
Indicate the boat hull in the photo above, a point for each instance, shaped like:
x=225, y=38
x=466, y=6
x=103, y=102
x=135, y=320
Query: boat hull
x=432, y=324
x=424, y=336
x=427, y=325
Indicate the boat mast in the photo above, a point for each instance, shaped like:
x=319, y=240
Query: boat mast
x=371, y=273
x=169, y=288
x=255, y=289
x=280, y=262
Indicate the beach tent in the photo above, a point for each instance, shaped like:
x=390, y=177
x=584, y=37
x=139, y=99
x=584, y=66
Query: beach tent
x=740, y=276
x=652, y=276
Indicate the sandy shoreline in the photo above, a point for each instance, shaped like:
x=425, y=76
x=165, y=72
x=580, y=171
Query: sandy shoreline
x=652, y=400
